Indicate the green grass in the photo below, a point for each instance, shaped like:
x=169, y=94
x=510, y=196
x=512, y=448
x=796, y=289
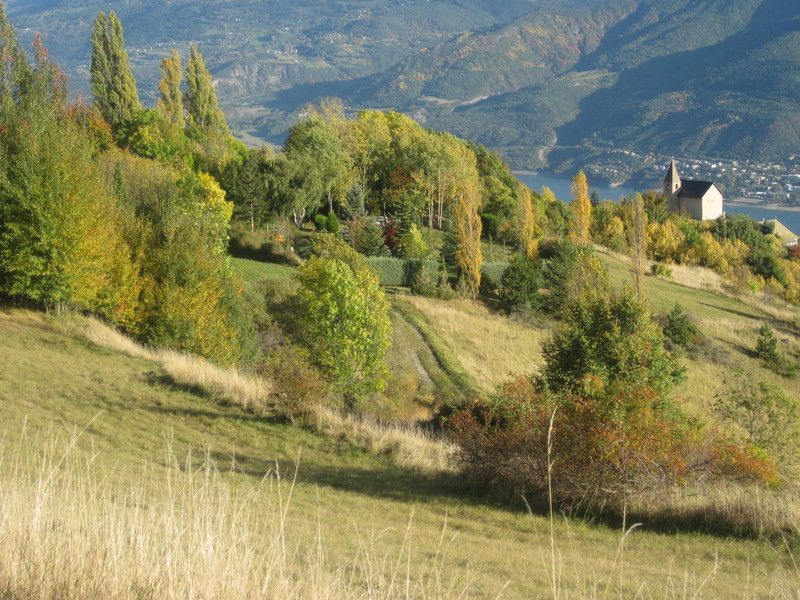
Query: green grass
x=253, y=271
x=51, y=382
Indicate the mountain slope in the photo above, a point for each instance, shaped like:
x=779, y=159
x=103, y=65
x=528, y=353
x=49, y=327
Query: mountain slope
x=583, y=78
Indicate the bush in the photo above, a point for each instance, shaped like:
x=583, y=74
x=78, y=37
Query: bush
x=767, y=417
x=321, y=222
x=400, y=272
x=332, y=226
x=520, y=284
x=661, y=270
x=491, y=274
x=606, y=341
x=604, y=446
x=391, y=271
x=678, y=329
x=422, y=276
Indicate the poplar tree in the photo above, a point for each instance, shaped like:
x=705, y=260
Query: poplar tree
x=528, y=230
x=11, y=58
x=636, y=229
x=466, y=229
x=170, y=101
x=113, y=84
x=581, y=210
x=201, y=97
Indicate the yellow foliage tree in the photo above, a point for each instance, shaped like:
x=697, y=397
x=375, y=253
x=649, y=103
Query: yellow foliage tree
x=466, y=222
x=581, y=210
x=528, y=229
x=665, y=241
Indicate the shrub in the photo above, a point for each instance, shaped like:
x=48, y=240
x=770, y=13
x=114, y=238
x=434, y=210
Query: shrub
x=678, y=329
x=321, y=222
x=606, y=445
x=609, y=340
x=332, y=226
x=390, y=270
x=767, y=416
x=491, y=274
x=421, y=276
x=661, y=270
x=520, y=284
x=572, y=274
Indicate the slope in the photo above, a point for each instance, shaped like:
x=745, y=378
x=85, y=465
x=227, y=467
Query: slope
x=369, y=515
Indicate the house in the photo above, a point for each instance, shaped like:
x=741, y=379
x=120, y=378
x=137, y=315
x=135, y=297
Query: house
x=702, y=200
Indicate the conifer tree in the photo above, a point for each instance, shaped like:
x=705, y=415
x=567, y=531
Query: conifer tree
x=201, y=97
x=581, y=210
x=170, y=101
x=113, y=84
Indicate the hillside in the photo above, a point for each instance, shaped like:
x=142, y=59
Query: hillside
x=134, y=421
x=703, y=79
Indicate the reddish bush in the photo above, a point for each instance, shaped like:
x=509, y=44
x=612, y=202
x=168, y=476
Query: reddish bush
x=606, y=443
x=794, y=251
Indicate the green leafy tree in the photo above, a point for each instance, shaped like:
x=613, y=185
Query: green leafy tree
x=170, y=101
x=345, y=322
x=201, y=97
x=370, y=241
x=520, y=284
x=413, y=243
x=113, y=84
x=607, y=340
x=766, y=415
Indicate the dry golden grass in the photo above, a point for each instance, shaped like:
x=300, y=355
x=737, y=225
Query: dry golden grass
x=490, y=347
x=67, y=530
x=405, y=444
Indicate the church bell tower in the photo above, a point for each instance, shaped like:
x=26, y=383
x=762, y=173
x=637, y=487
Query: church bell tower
x=672, y=180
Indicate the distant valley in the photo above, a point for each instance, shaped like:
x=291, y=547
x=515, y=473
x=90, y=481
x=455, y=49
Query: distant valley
x=559, y=85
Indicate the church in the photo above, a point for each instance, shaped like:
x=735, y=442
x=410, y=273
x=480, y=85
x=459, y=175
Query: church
x=701, y=200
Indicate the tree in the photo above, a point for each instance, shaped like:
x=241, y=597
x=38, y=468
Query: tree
x=520, y=283
x=201, y=97
x=606, y=340
x=170, y=101
x=678, y=329
x=326, y=172
x=12, y=61
x=465, y=224
x=113, y=84
x=767, y=416
x=767, y=345
x=581, y=210
x=637, y=239
x=413, y=243
x=345, y=322
x=528, y=229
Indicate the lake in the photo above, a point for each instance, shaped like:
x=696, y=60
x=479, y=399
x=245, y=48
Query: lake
x=563, y=190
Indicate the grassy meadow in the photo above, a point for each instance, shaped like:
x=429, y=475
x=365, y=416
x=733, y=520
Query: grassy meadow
x=121, y=481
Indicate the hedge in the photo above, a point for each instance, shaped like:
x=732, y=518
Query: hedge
x=400, y=272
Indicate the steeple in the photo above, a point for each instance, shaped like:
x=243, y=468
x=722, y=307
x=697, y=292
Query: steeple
x=672, y=180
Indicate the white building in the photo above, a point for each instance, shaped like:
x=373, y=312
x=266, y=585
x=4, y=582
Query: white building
x=702, y=200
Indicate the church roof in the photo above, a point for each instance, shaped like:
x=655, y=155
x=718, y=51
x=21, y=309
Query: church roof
x=691, y=188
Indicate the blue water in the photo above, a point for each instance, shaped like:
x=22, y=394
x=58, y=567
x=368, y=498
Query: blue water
x=562, y=189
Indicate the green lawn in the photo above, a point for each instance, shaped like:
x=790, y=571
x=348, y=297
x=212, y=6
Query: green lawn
x=51, y=384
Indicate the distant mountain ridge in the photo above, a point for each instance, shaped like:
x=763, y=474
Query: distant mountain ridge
x=556, y=83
